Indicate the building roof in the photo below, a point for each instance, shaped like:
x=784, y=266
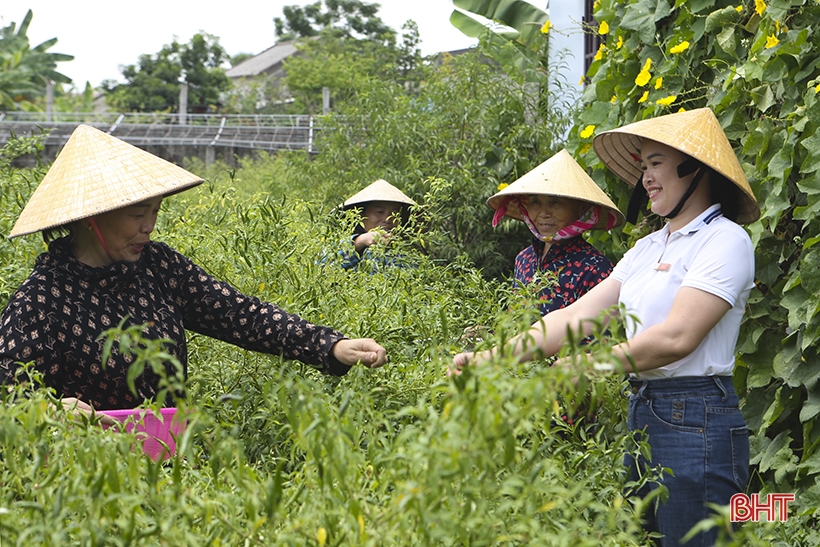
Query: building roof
x=260, y=63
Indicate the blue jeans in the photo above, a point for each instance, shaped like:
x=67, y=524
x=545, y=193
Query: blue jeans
x=695, y=428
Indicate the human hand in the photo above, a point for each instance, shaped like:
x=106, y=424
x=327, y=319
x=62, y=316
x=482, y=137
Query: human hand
x=360, y=350
x=471, y=335
x=78, y=407
x=370, y=238
x=467, y=358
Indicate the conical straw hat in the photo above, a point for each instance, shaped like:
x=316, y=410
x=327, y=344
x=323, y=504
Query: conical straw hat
x=95, y=173
x=381, y=190
x=559, y=176
x=696, y=133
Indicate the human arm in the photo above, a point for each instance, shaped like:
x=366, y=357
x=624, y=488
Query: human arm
x=694, y=313
x=360, y=350
x=78, y=408
x=217, y=309
x=546, y=336
x=365, y=240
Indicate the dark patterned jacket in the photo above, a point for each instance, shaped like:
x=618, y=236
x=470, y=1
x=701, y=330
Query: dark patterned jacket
x=57, y=315
x=577, y=265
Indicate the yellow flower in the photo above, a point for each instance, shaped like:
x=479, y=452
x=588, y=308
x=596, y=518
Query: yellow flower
x=777, y=26
x=614, y=98
x=361, y=525
x=502, y=186
x=620, y=43
x=321, y=537
x=680, y=48
x=546, y=27
x=581, y=80
x=585, y=148
x=596, y=4
x=681, y=109
x=771, y=41
x=600, y=54
x=659, y=82
x=644, y=76
x=644, y=97
x=760, y=7
x=603, y=28
x=587, y=131
x=666, y=101
x=739, y=8
x=817, y=88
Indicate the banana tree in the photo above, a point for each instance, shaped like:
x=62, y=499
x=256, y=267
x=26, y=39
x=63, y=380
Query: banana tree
x=516, y=22
x=24, y=70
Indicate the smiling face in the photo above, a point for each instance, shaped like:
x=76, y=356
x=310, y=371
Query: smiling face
x=126, y=232
x=660, y=176
x=381, y=214
x=550, y=213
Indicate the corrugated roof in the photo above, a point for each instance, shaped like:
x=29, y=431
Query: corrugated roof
x=260, y=63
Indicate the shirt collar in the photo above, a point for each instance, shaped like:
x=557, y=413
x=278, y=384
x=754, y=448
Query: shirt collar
x=703, y=219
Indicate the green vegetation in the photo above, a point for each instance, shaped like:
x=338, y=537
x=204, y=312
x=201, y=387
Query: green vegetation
x=276, y=454
x=24, y=70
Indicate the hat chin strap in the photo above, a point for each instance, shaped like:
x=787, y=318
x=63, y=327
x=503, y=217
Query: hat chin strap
x=100, y=237
x=639, y=197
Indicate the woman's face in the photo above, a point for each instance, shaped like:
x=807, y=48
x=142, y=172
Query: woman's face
x=550, y=214
x=126, y=231
x=660, y=176
x=381, y=214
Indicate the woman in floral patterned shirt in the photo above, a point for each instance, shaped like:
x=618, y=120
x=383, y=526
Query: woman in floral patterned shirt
x=558, y=202
x=105, y=194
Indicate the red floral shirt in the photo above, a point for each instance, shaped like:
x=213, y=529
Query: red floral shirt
x=577, y=265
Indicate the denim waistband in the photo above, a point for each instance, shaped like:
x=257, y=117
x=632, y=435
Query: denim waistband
x=703, y=385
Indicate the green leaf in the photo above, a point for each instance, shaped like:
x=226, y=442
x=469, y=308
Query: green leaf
x=775, y=408
x=777, y=452
x=517, y=14
x=726, y=40
x=796, y=302
x=812, y=161
x=787, y=360
x=811, y=407
x=762, y=97
x=810, y=271
x=642, y=16
x=723, y=18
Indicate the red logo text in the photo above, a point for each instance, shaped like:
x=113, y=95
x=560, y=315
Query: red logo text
x=774, y=507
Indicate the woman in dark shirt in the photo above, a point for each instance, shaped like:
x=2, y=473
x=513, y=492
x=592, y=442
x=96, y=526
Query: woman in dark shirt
x=558, y=202
x=106, y=195
x=383, y=207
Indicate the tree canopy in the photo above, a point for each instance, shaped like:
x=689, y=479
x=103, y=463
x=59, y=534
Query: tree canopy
x=153, y=84
x=350, y=18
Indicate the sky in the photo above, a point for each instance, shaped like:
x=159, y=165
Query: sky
x=102, y=35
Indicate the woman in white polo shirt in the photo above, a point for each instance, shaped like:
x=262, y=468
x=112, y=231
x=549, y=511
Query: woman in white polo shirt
x=687, y=284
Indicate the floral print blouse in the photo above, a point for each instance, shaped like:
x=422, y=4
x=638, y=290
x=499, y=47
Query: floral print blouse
x=577, y=265
x=57, y=315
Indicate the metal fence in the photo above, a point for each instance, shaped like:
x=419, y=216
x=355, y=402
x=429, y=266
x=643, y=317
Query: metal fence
x=262, y=132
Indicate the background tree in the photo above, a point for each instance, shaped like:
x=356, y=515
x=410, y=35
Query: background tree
x=349, y=18
x=346, y=66
x=24, y=70
x=152, y=85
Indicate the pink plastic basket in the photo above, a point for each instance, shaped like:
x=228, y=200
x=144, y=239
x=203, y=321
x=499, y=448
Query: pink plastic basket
x=151, y=429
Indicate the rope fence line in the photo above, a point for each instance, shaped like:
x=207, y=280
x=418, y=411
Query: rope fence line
x=262, y=132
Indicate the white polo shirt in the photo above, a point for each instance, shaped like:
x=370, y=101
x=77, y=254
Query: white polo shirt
x=712, y=254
